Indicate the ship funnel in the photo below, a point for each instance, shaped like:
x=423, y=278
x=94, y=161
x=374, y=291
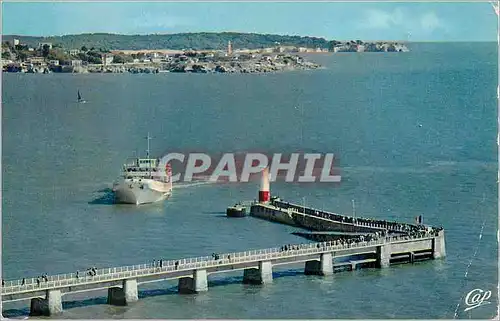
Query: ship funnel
x=264, y=193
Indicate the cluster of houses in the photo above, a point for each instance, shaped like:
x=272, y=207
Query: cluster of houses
x=138, y=58
x=369, y=47
x=167, y=56
x=38, y=63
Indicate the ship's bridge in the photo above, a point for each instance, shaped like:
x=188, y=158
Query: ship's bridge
x=142, y=163
x=142, y=168
x=147, y=163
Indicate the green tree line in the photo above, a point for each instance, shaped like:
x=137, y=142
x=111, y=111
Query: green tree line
x=196, y=41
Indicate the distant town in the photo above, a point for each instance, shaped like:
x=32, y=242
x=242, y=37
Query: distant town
x=50, y=57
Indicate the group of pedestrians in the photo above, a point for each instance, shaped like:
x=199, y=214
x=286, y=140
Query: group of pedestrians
x=23, y=281
x=291, y=247
x=373, y=223
x=39, y=279
x=349, y=241
x=158, y=263
x=90, y=272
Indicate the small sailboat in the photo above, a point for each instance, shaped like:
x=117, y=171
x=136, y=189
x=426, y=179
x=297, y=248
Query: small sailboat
x=80, y=100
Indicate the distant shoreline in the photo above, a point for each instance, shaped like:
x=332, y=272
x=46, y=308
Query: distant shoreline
x=231, y=53
x=250, y=63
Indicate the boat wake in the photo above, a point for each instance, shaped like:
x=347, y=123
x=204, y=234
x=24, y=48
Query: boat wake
x=429, y=167
x=181, y=185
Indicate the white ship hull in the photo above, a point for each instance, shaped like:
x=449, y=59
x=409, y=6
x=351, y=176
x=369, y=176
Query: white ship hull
x=129, y=191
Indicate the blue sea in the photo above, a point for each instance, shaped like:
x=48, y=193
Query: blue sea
x=413, y=134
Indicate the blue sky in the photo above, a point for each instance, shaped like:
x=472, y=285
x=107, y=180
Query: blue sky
x=331, y=20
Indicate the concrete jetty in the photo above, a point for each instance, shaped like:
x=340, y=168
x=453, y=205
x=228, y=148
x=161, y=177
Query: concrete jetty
x=277, y=210
x=192, y=273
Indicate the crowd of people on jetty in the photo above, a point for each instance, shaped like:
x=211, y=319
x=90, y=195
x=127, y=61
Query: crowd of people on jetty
x=377, y=236
x=410, y=229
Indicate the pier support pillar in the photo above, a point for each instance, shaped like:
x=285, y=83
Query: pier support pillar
x=262, y=275
x=438, y=246
x=383, y=255
x=322, y=267
x=125, y=295
x=51, y=305
x=412, y=257
x=198, y=283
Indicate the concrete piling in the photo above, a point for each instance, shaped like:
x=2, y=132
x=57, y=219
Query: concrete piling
x=51, y=305
x=262, y=275
x=125, y=295
x=198, y=283
x=322, y=267
x=383, y=256
x=438, y=246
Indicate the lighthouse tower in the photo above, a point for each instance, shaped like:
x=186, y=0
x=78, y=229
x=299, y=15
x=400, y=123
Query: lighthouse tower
x=229, y=48
x=264, y=193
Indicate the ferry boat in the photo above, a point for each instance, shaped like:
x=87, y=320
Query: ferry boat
x=143, y=180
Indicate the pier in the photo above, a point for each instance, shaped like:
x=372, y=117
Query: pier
x=276, y=210
x=279, y=211
x=192, y=273
x=369, y=243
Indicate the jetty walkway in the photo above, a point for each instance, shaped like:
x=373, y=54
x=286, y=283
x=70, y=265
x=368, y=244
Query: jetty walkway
x=314, y=219
x=320, y=259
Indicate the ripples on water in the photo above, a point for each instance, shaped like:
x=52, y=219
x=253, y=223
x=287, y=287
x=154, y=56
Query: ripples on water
x=60, y=159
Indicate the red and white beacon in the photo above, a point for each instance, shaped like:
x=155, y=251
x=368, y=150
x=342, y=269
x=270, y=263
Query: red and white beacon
x=264, y=193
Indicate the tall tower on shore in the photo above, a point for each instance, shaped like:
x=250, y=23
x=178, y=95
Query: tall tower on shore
x=229, y=48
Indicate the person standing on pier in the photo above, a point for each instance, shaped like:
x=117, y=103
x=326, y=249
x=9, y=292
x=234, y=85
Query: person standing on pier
x=38, y=281
x=77, y=274
x=3, y=282
x=161, y=263
x=23, y=282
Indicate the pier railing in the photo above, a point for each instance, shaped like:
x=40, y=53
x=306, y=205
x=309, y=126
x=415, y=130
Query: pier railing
x=339, y=218
x=141, y=270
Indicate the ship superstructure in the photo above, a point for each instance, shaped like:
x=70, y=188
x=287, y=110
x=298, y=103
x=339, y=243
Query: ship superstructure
x=143, y=180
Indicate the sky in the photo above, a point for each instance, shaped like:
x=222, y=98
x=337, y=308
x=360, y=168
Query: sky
x=331, y=20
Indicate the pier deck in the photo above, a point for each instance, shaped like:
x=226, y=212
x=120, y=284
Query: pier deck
x=319, y=220
x=122, y=282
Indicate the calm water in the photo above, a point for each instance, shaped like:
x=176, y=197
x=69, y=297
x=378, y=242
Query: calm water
x=58, y=157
